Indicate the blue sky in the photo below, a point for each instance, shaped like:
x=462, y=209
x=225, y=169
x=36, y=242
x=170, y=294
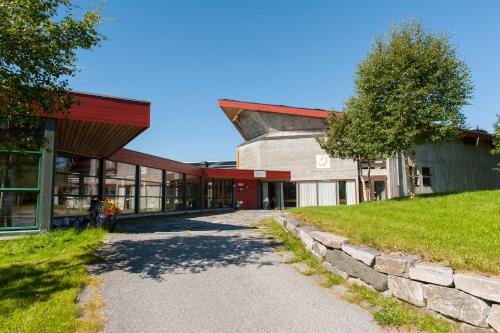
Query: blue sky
x=185, y=55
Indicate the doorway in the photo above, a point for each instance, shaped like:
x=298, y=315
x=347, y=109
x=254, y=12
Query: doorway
x=272, y=195
x=379, y=190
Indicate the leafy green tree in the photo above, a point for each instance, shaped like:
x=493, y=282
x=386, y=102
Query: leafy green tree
x=414, y=86
x=38, y=44
x=350, y=136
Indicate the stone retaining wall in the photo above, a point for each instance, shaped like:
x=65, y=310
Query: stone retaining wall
x=473, y=300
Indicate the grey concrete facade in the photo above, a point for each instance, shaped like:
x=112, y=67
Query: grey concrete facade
x=288, y=143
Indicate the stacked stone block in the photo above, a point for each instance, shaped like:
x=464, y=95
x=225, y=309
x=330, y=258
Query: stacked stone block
x=471, y=299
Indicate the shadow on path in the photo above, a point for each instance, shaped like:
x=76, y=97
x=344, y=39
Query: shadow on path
x=152, y=258
x=178, y=224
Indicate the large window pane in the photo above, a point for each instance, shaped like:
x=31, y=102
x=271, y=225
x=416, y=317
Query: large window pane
x=223, y=193
x=84, y=166
x=18, y=170
x=119, y=170
x=67, y=205
x=126, y=204
x=18, y=209
x=290, y=194
x=76, y=182
x=175, y=191
x=150, y=204
x=151, y=189
x=342, y=192
x=119, y=185
x=192, y=192
x=23, y=133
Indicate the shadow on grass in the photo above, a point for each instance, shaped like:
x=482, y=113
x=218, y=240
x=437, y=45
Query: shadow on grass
x=25, y=284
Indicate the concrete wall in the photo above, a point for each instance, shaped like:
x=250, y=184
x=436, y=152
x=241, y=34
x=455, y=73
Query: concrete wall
x=259, y=123
x=296, y=154
x=454, y=167
x=458, y=167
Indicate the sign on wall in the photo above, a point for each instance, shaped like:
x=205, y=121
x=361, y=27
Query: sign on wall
x=259, y=174
x=322, y=161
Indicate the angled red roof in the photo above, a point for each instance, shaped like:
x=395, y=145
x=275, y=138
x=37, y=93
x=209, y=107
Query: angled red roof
x=228, y=104
x=99, y=125
x=233, y=109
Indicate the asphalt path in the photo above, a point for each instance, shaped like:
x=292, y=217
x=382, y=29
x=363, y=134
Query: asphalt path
x=213, y=274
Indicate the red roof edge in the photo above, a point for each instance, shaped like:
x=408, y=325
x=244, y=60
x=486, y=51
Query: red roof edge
x=290, y=110
x=240, y=174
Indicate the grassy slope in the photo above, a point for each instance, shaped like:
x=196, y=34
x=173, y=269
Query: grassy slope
x=40, y=278
x=462, y=230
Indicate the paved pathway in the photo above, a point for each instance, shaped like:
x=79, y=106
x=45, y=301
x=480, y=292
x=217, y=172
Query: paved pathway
x=213, y=274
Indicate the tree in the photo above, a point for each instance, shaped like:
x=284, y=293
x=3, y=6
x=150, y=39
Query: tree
x=350, y=136
x=38, y=44
x=414, y=85
x=496, y=139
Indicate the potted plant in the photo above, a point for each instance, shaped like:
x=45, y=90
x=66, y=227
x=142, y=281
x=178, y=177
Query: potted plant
x=108, y=211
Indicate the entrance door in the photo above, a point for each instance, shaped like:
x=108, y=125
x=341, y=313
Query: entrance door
x=272, y=191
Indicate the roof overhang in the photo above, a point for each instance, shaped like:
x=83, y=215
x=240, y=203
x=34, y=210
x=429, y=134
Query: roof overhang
x=98, y=126
x=151, y=161
x=233, y=109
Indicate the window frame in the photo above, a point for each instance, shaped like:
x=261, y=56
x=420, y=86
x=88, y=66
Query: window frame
x=36, y=190
x=136, y=180
x=81, y=181
x=427, y=177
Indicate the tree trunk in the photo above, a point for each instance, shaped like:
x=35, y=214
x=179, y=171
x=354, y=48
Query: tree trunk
x=410, y=158
x=361, y=179
x=369, y=181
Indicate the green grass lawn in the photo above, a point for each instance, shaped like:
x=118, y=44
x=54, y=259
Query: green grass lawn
x=40, y=277
x=461, y=230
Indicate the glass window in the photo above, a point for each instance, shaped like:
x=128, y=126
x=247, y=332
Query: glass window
x=119, y=184
x=174, y=191
x=18, y=170
x=426, y=176
x=342, y=193
x=192, y=192
x=208, y=191
x=120, y=170
x=18, y=189
x=22, y=134
x=76, y=182
x=223, y=193
x=151, y=189
x=18, y=209
x=290, y=194
x=84, y=166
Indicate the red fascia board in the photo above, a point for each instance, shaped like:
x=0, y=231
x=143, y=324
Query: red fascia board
x=111, y=110
x=134, y=157
x=244, y=174
x=313, y=113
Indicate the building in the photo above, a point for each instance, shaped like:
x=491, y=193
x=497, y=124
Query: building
x=279, y=165
x=84, y=157
x=283, y=138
